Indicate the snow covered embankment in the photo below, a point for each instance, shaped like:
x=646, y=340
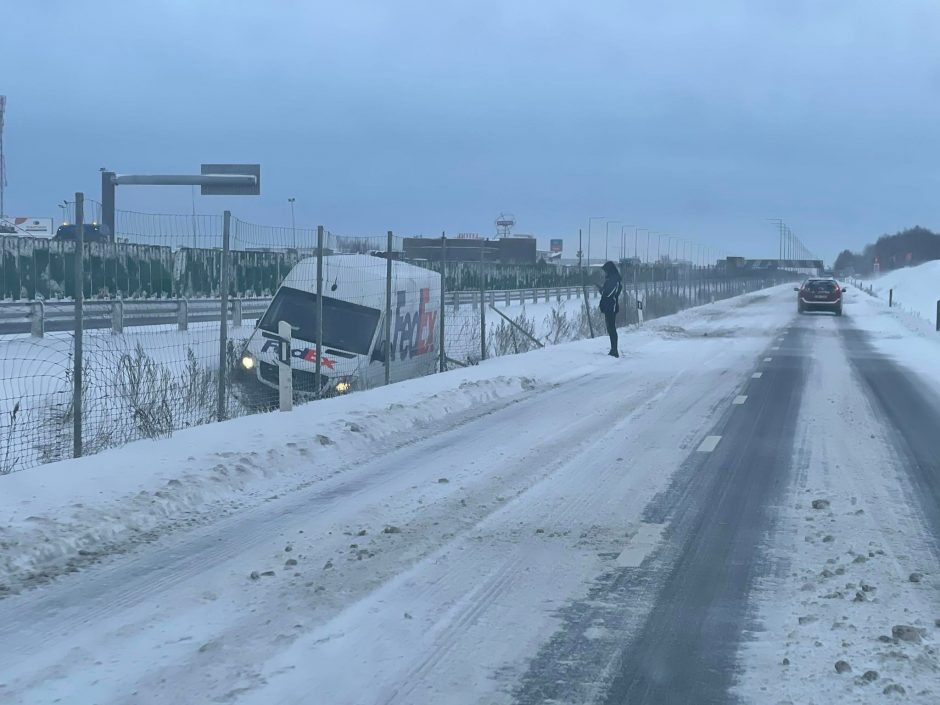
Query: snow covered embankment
x=62, y=515
x=916, y=289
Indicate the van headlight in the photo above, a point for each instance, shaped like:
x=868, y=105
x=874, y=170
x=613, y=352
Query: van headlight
x=248, y=361
x=344, y=385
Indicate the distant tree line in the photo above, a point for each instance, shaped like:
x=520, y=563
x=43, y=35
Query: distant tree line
x=904, y=249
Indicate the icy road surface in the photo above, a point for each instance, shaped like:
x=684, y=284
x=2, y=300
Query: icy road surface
x=744, y=508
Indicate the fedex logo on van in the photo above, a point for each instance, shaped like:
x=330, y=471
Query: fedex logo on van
x=308, y=354
x=414, y=332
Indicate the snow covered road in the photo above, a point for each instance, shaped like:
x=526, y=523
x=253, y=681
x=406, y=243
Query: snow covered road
x=558, y=526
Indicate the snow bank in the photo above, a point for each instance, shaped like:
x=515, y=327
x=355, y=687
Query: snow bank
x=916, y=289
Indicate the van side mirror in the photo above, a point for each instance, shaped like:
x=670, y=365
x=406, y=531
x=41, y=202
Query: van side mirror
x=378, y=353
x=796, y=288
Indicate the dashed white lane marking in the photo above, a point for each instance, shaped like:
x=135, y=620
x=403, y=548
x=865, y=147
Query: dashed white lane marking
x=642, y=543
x=775, y=347
x=768, y=359
x=757, y=375
x=740, y=399
x=708, y=445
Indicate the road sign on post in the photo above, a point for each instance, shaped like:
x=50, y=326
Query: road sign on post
x=214, y=180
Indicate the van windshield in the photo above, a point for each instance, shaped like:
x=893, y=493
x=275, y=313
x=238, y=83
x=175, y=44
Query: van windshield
x=346, y=326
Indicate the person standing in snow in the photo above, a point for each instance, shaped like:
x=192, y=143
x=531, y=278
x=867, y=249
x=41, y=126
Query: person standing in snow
x=610, y=303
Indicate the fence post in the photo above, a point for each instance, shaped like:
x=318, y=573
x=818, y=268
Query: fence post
x=318, y=379
x=79, y=306
x=623, y=292
x=37, y=315
x=237, y=313
x=938, y=315
x=223, y=319
x=482, y=302
x=388, y=309
x=182, y=314
x=443, y=361
x=508, y=298
x=890, y=298
x=117, y=317
x=285, y=375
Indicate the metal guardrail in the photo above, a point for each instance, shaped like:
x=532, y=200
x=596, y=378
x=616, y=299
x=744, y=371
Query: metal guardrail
x=40, y=317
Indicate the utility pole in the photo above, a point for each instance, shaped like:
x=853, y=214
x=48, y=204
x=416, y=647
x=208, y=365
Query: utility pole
x=780, y=227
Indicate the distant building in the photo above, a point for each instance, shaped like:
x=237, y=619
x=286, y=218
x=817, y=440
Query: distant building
x=505, y=250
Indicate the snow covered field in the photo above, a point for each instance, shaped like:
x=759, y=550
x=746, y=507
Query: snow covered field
x=508, y=532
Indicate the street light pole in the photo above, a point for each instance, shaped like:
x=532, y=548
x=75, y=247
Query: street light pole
x=623, y=241
x=607, y=236
x=293, y=227
x=591, y=220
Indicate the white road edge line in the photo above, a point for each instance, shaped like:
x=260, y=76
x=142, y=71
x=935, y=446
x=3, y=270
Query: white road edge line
x=709, y=444
x=768, y=359
x=757, y=375
x=740, y=399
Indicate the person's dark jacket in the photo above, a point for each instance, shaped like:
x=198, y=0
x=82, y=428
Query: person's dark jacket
x=611, y=290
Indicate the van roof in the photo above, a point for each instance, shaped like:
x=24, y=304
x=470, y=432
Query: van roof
x=360, y=278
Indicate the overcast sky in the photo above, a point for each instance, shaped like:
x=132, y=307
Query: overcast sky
x=698, y=119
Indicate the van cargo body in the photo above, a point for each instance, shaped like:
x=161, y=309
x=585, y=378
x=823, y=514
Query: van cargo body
x=353, y=356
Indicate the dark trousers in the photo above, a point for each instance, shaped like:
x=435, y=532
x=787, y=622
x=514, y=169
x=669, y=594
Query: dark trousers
x=610, y=318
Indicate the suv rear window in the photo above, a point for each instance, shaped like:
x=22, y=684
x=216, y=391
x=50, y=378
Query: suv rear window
x=820, y=286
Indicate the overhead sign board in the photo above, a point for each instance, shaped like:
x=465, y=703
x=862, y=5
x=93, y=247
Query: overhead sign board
x=232, y=189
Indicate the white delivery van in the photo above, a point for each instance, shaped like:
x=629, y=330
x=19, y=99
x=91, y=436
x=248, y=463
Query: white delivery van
x=353, y=356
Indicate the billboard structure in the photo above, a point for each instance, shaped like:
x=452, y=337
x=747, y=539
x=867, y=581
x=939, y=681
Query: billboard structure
x=27, y=226
x=556, y=246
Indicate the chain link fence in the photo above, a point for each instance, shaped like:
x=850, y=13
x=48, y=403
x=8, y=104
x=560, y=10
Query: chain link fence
x=177, y=316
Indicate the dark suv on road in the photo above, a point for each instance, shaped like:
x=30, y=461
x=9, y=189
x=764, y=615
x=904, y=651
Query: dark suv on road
x=819, y=295
x=91, y=232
